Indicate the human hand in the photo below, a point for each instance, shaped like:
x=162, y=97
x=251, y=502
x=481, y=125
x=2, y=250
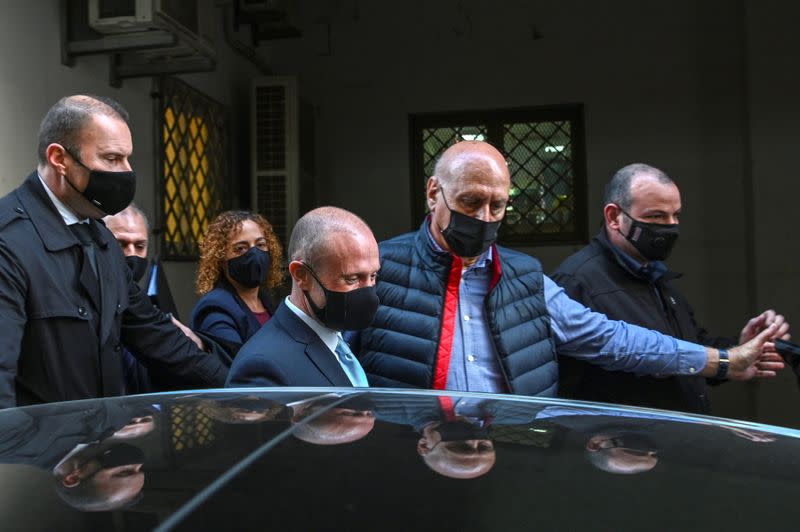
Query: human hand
x=189, y=334
x=765, y=319
x=755, y=358
x=769, y=361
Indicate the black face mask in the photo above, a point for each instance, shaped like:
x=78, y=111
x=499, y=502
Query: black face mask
x=121, y=454
x=137, y=266
x=251, y=269
x=467, y=236
x=345, y=311
x=632, y=441
x=110, y=192
x=653, y=241
x=462, y=430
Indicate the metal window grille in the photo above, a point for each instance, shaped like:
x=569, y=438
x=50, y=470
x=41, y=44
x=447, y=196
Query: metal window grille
x=192, y=165
x=271, y=145
x=545, y=154
x=190, y=428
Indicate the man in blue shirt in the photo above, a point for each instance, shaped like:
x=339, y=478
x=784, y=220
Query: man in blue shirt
x=622, y=274
x=458, y=312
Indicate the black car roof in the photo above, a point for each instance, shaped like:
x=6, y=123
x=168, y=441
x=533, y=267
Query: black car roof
x=339, y=459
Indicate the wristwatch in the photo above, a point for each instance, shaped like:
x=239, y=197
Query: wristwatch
x=724, y=362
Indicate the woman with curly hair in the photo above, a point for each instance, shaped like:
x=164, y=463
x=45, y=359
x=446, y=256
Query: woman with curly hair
x=240, y=259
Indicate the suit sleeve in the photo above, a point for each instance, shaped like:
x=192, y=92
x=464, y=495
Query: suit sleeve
x=255, y=371
x=216, y=322
x=164, y=349
x=13, y=317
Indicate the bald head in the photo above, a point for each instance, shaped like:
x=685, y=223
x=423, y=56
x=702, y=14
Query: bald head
x=131, y=230
x=333, y=250
x=333, y=427
x=471, y=178
x=468, y=158
x=311, y=236
x=468, y=458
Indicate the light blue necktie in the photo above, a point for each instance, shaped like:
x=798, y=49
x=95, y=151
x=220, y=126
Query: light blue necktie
x=350, y=365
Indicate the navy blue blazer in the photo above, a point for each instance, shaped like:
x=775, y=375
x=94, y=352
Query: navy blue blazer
x=286, y=352
x=225, y=318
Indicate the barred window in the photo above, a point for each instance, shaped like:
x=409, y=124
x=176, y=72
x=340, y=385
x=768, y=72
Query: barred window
x=192, y=166
x=546, y=158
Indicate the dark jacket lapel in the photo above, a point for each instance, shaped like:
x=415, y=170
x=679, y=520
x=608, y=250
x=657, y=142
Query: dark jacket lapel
x=316, y=351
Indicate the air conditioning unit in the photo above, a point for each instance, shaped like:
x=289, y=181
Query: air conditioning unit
x=126, y=16
x=275, y=182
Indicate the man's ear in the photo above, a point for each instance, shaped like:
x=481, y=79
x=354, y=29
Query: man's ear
x=422, y=446
x=56, y=154
x=71, y=479
x=612, y=216
x=431, y=190
x=300, y=274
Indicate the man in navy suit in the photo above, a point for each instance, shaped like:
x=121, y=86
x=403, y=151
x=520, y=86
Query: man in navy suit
x=334, y=265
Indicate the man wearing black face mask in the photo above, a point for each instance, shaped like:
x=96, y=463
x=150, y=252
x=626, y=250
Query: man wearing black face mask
x=131, y=229
x=621, y=273
x=333, y=263
x=67, y=299
x=460, y=313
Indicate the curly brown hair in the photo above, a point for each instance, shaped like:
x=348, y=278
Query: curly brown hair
x=213, y=249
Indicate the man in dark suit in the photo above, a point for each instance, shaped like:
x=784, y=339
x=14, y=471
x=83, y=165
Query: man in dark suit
x=67, y=300
x=334, y=265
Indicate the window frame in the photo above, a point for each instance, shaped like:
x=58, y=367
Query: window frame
x=494, y=119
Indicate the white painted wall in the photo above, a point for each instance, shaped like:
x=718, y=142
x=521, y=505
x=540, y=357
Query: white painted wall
x=33, y=80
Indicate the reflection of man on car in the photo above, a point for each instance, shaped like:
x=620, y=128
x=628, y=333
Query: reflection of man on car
x=100, y=476
x=456, y=432
x=87, y=448
x=624, y=452
x=458, y=448
x=241, y=408
x=624, y=441
x=347, y=423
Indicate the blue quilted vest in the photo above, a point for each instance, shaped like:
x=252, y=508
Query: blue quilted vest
x=402, y=347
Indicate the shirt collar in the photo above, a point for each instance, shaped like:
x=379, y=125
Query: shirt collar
x=482, y=261
x=328, y=336
x=652, y=271
x=66, y=214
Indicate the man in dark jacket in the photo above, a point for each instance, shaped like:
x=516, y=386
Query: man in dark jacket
x=131, y=228
x=67, y=299
x=459, y=313
x=621, y=273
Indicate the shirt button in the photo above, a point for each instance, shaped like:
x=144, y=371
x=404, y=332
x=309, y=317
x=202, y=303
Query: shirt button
x=117, y=348
x=466, y=318
x=692, y=370
x=471, y=358
x=81, y=311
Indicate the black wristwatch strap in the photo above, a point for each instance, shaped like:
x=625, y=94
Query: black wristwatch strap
x=724, y=362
